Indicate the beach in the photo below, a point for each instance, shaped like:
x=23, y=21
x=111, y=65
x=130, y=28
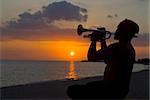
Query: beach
x=51, y=90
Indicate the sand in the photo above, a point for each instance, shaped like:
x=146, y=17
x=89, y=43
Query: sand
x=51, y=90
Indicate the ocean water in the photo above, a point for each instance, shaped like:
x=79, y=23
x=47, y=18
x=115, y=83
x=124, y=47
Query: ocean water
x=24, y=72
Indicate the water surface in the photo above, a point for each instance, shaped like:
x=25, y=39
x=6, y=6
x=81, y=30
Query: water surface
x=23, y=72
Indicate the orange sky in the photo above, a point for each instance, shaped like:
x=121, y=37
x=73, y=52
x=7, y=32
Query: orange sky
x=50, y=50
x=43, y=50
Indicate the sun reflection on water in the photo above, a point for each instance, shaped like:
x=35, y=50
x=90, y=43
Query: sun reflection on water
x=72, y=75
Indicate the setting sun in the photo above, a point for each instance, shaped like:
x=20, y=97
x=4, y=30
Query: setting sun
x=72, y=53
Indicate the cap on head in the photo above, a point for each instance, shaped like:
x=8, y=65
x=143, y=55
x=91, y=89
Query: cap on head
x=129, y=27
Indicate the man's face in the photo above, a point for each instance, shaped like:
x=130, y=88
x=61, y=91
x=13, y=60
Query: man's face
x=117, y=33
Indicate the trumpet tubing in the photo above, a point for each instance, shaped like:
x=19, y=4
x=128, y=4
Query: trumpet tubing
x=80, y=30
x=102, y=30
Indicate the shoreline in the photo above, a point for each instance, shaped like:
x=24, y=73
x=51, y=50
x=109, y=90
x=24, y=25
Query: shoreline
x=61, y=80
x=139, y=88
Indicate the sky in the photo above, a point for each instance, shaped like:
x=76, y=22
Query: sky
x=46, y=29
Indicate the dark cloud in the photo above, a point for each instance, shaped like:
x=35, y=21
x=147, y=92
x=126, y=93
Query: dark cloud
x=64, y=10
x=52, y=33
x=109, y=16
x=112, y=16
x=39, y=24
x=116, y=15
x=141, y=40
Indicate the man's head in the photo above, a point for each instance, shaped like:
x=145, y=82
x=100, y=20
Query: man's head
x=126, y=30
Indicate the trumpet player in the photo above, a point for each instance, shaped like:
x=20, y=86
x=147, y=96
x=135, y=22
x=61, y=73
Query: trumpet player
x=119, y=57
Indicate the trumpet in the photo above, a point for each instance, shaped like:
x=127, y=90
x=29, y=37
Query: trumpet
x=100, y=31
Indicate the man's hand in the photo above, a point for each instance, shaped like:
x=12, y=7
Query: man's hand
x=97, y=36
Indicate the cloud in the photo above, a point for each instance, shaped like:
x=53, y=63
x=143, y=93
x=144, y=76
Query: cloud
x=64, y=10
x=109, y=16
x=112, y=16
x=141, y=40
x=116, y=15
x=41, y=23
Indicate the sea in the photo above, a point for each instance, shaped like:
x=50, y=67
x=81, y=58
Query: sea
x=25, y=72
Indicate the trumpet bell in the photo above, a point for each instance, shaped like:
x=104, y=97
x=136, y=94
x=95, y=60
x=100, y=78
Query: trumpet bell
x=80, y=29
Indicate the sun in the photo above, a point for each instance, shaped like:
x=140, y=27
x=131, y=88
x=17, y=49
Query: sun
x=72, y=53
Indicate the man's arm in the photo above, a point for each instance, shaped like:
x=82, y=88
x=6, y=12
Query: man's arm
x=103, y=52
x=103, y=44
x=94, y=55
x=92, y=51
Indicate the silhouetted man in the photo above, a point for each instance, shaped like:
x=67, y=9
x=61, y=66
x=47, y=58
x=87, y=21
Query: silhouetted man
x=119, y=57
